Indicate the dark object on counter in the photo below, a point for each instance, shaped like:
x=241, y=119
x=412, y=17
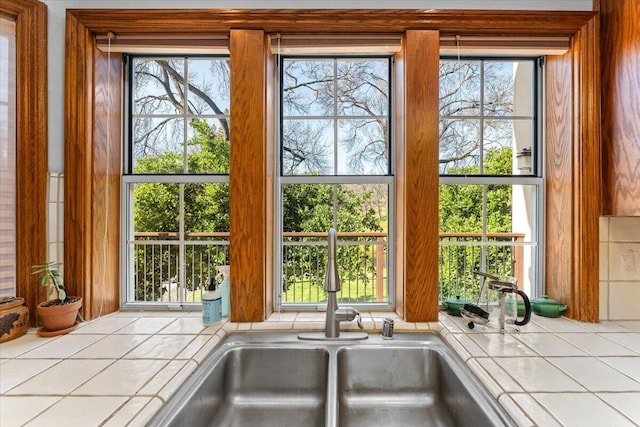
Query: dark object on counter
x=474, y=309
x=14, y=318
x=453, y=305
x=475, y=315
x=547, y=307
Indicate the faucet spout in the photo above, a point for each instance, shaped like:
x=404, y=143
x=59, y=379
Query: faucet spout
x=332, y=278
x=335, y=315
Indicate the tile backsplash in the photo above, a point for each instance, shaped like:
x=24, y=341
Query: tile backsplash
x=620, y=268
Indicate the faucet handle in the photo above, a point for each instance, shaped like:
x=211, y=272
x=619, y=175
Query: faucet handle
x=359, y=319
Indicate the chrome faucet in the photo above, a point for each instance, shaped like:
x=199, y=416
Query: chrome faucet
x=335, y=315
x=332, y=285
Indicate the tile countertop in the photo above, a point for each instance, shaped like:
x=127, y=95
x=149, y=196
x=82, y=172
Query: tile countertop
x=119, y=369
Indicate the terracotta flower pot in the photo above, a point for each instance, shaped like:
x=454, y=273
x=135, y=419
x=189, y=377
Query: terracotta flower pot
x=58, y=319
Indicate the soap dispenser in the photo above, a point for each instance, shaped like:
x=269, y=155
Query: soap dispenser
x=211, y=304
x=223, y=272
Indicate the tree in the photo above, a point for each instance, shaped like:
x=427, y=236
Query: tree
x=470, y=89
x=359, y=94
x=461, y=211
x=353, y=89
x=207, y=210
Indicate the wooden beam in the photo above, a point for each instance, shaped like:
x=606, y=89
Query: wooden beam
x=247, y=180
x=573, y=176
x=32, y=147
x=92, y=172
x=620, y=29
x=450, y=22
x=586, y=173
x=421, y=62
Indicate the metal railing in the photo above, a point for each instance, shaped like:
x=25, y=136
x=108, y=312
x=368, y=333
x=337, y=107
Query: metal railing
x=362, y=259
x=461, y=253
x=156, y=262
x=362, y=263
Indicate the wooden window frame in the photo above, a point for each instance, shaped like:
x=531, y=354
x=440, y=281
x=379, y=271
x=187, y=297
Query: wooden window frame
x=32, y=147
x=251, y=187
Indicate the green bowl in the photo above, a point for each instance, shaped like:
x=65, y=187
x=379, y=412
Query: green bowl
x=453, y=305
x=547, y=307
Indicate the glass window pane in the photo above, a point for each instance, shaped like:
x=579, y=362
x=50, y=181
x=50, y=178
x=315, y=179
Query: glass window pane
x=156, y=211
x=158, y=145
x=460, y=88
x=179, y=125
x=460, y=146
x=360, y=212
x=308, y=88
x=511, y=209
x=363, y=147
x=158, y=86
x=307, y=147
x=206, y=213
x=461, y=210
x=508, y=88
x=524, y=147
x=351, y=207
x=307, y=207
x=498, y=88
x=208, y=86
x=208, y=146
x=497, y=147
x=363, y=87
x=155, y=271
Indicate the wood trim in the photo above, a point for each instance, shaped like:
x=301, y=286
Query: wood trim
x=620, y=29
x=270, y=146
x=251, y=248
x=573, y=178
x=586, y=174
x=32, y=145
x=398, y=153
x=247, y=180
x=92, y=173
x=449, y=22
x=421, y=175
x=559, y=209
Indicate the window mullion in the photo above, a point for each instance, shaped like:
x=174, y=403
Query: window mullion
x=334, y=187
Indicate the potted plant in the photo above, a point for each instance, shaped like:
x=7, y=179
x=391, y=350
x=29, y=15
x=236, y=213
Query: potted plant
x=58, y=314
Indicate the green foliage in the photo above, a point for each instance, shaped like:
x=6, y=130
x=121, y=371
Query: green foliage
x=310, y=208
x=51, y=279
x=461, y=211
x=306, y=208
x=461, y=205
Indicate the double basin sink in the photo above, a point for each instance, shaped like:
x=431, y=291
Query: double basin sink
x=274, y=379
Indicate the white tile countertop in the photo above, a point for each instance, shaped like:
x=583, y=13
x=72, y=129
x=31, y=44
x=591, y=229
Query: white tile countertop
x=119, y=369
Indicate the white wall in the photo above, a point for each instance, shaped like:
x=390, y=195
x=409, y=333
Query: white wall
x=57, y=11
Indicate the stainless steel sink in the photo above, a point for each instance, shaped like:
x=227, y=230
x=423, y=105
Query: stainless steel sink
x=250, y=386
x=379, y=386
x=274, y=379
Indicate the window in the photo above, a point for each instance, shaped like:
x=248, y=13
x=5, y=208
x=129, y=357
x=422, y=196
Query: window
x=491, y=179
x=335, y=171
x=7, y=156
x=176, y=191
